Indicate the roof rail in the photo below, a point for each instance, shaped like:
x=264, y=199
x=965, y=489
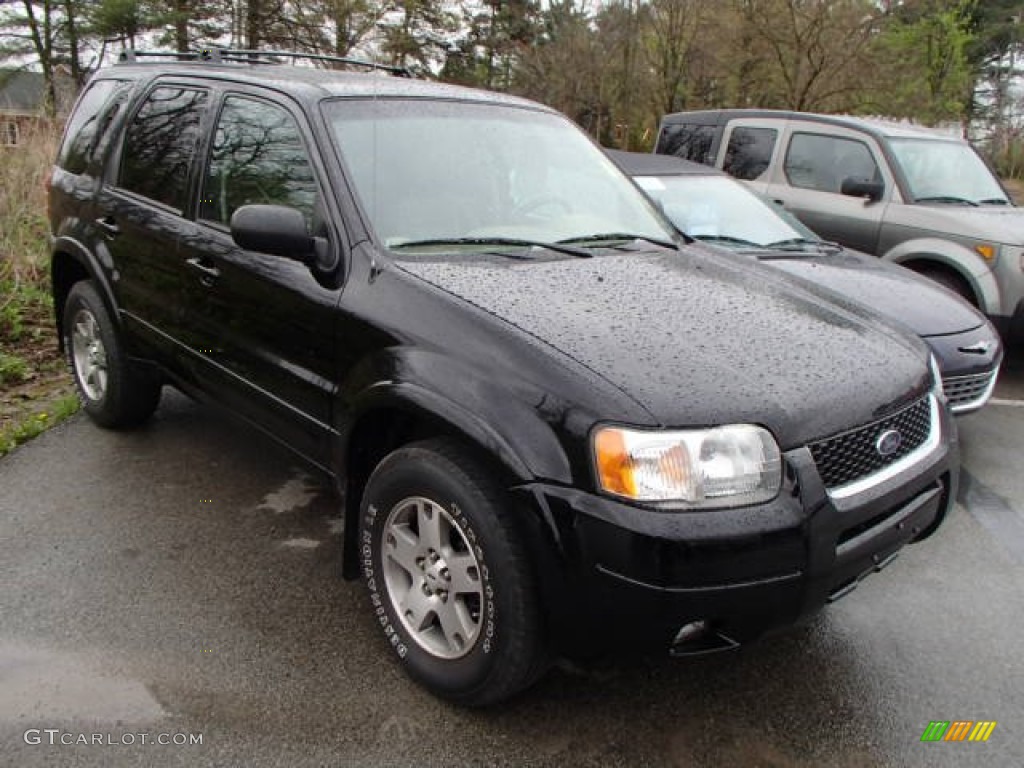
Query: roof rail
x=246, y=56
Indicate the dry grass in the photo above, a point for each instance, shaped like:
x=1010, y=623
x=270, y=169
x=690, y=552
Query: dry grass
x=1016, y=189
x=23, y=225
x=34, y=389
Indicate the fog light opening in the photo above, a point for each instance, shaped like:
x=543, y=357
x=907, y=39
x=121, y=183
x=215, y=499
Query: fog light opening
x=698, y=637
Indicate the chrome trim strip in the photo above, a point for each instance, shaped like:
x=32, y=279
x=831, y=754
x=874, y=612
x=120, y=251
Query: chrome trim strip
x=973, y=405
x=912, y=458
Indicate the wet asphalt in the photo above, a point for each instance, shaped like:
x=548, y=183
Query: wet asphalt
x=184, y=580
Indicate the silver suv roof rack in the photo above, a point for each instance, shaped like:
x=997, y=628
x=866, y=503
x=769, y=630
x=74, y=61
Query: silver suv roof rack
x=246, y=56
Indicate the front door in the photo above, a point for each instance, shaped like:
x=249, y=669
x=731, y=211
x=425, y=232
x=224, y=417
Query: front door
x=262, y=326
x=809, y=179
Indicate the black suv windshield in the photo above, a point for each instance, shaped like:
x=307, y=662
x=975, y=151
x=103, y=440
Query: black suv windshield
x=940, y=171
x=440, y=171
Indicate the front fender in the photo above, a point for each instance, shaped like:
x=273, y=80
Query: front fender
x=966, y=262
x=508, y=430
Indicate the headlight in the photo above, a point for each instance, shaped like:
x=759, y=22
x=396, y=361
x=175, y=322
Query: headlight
x=719, y=467
x=933, y=364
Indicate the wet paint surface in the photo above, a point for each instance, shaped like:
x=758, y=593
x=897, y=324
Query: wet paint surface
x=700, y=340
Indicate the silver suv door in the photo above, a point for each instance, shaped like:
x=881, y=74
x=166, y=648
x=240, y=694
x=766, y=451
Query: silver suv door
x=814, y=161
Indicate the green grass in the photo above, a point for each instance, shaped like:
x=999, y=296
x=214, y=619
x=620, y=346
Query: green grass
x=38, y=422
x=13, y=370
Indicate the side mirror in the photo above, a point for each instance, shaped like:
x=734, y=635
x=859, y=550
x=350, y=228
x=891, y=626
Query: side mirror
x=273, y=229
x=872, y=190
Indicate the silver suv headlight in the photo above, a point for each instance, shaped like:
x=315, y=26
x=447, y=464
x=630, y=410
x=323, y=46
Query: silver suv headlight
x=719, y=467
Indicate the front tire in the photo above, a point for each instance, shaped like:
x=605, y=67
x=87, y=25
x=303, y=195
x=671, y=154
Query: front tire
x=113, y=392
x=449, y=579
x=952, y=282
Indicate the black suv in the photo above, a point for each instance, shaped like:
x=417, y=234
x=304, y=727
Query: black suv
x=557, y=427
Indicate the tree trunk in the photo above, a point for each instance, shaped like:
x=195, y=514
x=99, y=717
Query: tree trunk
x=181, y=14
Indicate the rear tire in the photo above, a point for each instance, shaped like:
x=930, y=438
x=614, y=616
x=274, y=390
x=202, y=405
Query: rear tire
x=449, y=577
x=113, y=391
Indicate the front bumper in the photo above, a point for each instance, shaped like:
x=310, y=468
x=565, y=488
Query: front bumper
x=626, y=575
x=969, y=362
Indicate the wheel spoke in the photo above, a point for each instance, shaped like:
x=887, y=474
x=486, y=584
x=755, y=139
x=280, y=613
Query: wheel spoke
x=401, y=546
x=417, y=607
x=431, y=521
x=464, y=573
x=456, y=623
x=82, y=331
x=101, y=381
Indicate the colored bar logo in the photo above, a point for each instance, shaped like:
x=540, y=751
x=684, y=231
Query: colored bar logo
x=958, y=730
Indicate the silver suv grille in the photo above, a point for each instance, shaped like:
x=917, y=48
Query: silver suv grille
x=969, y=392
x=853, y=455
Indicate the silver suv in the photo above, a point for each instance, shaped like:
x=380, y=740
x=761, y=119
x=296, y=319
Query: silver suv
x=907, y=194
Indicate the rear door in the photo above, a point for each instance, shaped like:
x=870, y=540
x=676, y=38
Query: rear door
x=139, y=212
x=809, y=173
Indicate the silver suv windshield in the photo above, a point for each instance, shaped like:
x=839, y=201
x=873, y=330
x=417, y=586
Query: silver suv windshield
x=946, y=172
x=458, y=176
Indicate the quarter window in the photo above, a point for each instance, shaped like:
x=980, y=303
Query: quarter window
x=749, y=152
x=688, y=141
x=82, y=127
x=160, y=143
x=822, y=162
x=257, y=157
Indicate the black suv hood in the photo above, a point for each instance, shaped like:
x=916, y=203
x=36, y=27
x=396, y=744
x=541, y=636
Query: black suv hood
x=896, y=292
x=702, y=339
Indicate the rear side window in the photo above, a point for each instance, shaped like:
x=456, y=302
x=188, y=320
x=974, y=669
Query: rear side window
x=749, y=152
x=816, y=161
x=84, y=124
x=689, y=141
x=257, y=157
x=159, y=145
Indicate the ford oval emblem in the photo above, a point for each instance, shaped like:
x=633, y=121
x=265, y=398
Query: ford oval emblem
x=888, y=442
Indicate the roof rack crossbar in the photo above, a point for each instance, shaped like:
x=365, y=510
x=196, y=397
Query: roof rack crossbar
x=246, y=56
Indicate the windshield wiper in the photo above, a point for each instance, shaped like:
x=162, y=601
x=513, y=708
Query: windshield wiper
x=510, y=241
x=802, y=243
x=946, y=199
x=728, y=240
x=994, y=201
x=605, y=236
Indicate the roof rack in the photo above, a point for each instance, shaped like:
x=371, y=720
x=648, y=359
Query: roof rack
x=246, y=56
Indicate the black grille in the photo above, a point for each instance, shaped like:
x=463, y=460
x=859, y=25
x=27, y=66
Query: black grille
x=964, y=390
x=853, y=455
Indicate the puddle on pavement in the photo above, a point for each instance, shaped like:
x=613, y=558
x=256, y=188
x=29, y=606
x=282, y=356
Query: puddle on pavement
x=44, y=686
x=300, y=542
x=296, y=493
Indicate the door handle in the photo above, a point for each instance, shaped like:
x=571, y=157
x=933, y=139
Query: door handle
x=108, y=226
x=779, y=202
x=209, y=273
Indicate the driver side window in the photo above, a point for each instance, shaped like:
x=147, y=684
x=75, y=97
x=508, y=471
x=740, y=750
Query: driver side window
x=257, y=157
x=815, y=161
